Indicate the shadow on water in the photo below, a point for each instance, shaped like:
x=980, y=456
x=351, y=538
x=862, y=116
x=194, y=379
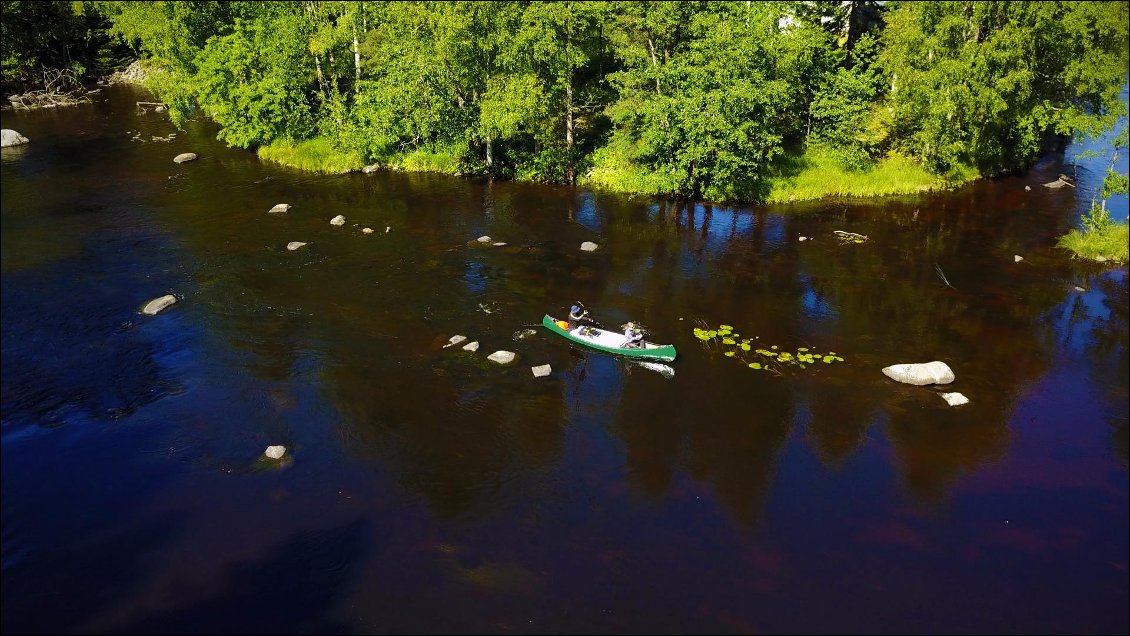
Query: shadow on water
x=44, y=596
x=290, y=590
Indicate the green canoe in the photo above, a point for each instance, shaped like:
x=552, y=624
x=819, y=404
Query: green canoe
x=610, y=341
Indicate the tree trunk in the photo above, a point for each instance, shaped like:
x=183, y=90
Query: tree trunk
x=654, y=65
x=570, y=175
x=490, y=156
x=321, y=78
x=356, y=63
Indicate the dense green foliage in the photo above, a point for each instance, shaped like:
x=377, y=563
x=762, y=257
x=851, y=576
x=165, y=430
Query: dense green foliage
x=69, y=38
x=692, y=98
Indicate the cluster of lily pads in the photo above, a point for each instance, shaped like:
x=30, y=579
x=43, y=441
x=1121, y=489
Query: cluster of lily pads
x=760, y=358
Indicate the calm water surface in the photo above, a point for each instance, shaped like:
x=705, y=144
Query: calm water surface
x=429, y=490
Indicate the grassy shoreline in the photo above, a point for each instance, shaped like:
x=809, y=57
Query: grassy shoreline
x=807, y=176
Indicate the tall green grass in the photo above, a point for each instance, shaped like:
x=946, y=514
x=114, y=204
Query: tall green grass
x=314, y=155
x=817, y=174
x=1101, y=239
x=445, y=160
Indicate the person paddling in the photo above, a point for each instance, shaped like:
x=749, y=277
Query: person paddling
x=633, y=335
x=578, y=313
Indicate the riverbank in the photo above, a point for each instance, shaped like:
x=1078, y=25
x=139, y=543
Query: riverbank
x=798, y=177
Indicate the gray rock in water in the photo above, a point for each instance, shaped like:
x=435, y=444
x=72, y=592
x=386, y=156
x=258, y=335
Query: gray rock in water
x=293, y=245
x=522, y=334
x=1016, y=258
x=498, y=243
x=184, y=156
x=9, y=137
x=471, y=346
x=804, y=238
x=275, y=452
x=483, y=239
x=1101, y=259
x=588, y=246
x=501, y=357
x=454, y=340
x=920, y=374
x=541, y=371
x=1079, y=289
x=1027, y=188
x=155, y=306
x=279, y=208
x=338, y=220
x=371, y=168
x=367, y=230
x=955, y=399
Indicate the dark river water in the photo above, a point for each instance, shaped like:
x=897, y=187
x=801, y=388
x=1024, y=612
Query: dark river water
x=428, y=490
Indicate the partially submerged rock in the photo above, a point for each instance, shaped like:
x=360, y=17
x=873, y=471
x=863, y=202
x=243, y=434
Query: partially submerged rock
x=9, y=137
x=498, y=243
x=955, y=399
x=371, y=168
x=184, y=156
x=155, y=306
x=367, y=230
x=279, y=208
x=541, y=370
x=588, y=246
x=454, y=340
x=501, y=357
x=483, y=239
x=920, y=374
x=293, y=245
x=1016, y=258
x=338, y=220
x=471, y=346
x=275, y=452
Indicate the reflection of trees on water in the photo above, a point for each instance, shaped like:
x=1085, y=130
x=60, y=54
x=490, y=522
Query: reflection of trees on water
x=883, y=302
x=1103, y=342
x=457, y=438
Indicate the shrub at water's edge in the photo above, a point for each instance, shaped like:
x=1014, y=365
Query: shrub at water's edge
x=1100, y=239
x=314, y=155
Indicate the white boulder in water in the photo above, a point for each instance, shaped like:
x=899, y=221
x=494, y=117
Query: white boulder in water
x=369, y=169
x=483, y=239
x=367, y=230
x=293, y=245
x=338, y=220
x=501, y=357
x=454, y=340
x=471, y=346
x=279, y=208
x=588, y=246
x=920, y=374
x=955, y=399
x=155, y=306
x=9, y=137
x=184, y=156
x=275, y=452
x=1016, y=258
x=541, y=371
